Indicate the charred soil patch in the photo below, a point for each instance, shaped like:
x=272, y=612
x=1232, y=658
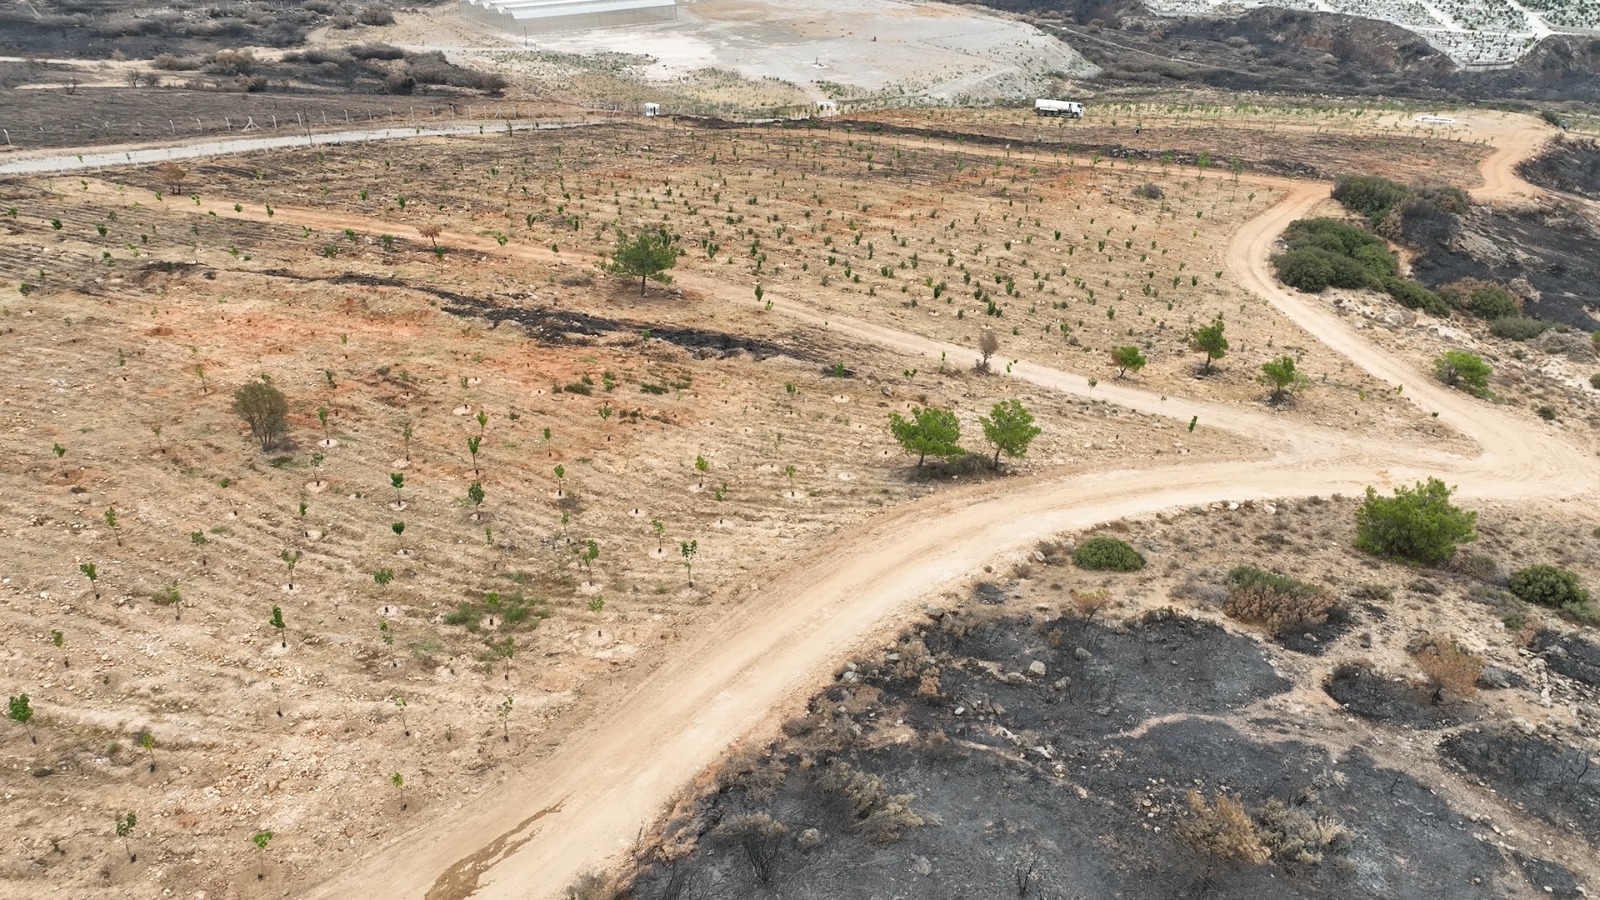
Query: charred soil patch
x=1571, y=165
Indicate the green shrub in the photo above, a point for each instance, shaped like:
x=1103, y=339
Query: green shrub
x=1419, y=524
x=1517, y=328
x=1107, y=554
x=1594, y=380
x=1326, y=253
x=1484, y=299
x=1546, y=412
x=1468, y=371
x=1547, y=585
x=1414, y=296
x=1306, y=270
x=1369, y=195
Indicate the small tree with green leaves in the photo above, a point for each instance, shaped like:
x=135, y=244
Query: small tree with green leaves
x=277, y=622
x=91, y=572
x=125, y=825
x=505, y=718
x=399, y=782
x=591, y=552
x=265, y=410
x=397, y=480
x=1010, y=429
x=930, y=431
x=290, y=559
x=660, y=528
x=147, y=740
x=1467, y=371
x=688, y=550
x=110, y=517
x=1210, y=340
x=1418, y=523
x=645, y=255
x=400, y=704
x=701, y=466
x=475, y=496
x=505, y=650
x=261, y=839
x=399, y=529
x=406, y=434
x=322, y=416
x=561, y=478
x=1127, y=359
x=473, y=442
x=1283, y=377
x=20, y=711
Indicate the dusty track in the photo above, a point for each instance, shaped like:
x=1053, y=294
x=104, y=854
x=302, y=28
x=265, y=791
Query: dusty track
x=580, y=806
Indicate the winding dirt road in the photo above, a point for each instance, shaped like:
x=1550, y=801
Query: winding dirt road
x=582, y=805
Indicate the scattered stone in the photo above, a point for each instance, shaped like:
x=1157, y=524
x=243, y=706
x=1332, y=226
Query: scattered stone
x=1036, y=668
x=1082, y=654
x=921, y=866
x=810, y=839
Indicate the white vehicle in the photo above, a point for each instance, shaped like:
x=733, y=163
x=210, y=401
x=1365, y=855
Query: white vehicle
x=1068, y=108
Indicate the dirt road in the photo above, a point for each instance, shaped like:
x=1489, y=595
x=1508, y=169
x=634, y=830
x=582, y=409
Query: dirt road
x=584, y=804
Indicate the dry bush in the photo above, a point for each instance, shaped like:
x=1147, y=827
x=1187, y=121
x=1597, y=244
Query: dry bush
x=592, y=886
x=1449, y=666
x=929, y=687
x=874, y=813
x=761, y=837
x=1295, y=836
x=1223, y=830
x=1275, y=602
x=1088, y=603
x=752, y=770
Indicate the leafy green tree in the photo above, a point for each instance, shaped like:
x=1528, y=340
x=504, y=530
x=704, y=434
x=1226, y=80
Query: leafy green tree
x=505, y=650
x=1210, y=340
x=1010, y=429
x=1417, y=523
x=265, y=410
x=20, y=711
x=475, y=494
x=1125, y=358
x=1107, y=554
x=277, y=622
x=505, y=717
x=929, y=431
x=660, y=529
x=290, y=559
x=147, y=740
x=125, y=825
x=383, y=577
x=261, y=839
x=398, y=481
x=645, y=255
x=400, y=704
x=687, y=550
x=473, y=442
x=322, y=416
x=110, y=515
x=1468, y=371
x=1283, y=377
x=91, y=572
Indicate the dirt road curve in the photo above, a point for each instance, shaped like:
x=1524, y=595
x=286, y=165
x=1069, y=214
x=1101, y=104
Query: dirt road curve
x=584, y=803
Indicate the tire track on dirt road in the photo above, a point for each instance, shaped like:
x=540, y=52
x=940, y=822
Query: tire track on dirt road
x=772, y=649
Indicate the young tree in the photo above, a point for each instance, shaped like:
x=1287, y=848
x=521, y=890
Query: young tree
x=647, y=255
x=561, y=478
x=147, y=740
x=399, y=783
x=473, y=442
x=91, y=572
x=1283, y=377
x=1010, y=429
x=277, y=622
x=327, y=436
x=261, y=839
x=125, y=825
x=505, y=650
x=591, y=552
x=406, y=434
x=475, y=494
x=400, y=704
x=265, y=410
x=110, y=515
x=988, y=345
x=1210, y=340
x=1417, y=523
x=290, y=559
x=505, y=717
x=398, y=481
x=20, y=711
x=929, y=431
x=1125, y=358
x=1468, y=371
x=431, y=232
x=688, y=549
x=399, y=529
x=660, y=529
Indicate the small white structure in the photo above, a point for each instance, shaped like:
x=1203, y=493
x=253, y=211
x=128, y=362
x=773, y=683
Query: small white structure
x=546, y=16
x=1067, y=108
x=651, y=110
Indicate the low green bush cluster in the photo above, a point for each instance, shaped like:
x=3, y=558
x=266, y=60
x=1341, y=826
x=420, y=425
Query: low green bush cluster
x=1518, y=328
x=1369, y=195
x=1484, y=299
x=1107, y=554
x=1549, y=586
x=1322, y=253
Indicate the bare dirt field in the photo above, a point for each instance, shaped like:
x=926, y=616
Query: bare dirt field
x=832, y=277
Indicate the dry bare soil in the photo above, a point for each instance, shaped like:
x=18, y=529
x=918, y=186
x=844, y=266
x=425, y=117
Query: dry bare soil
x=832, y=276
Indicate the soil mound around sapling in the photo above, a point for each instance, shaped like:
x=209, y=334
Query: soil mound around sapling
x=1557, y=783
